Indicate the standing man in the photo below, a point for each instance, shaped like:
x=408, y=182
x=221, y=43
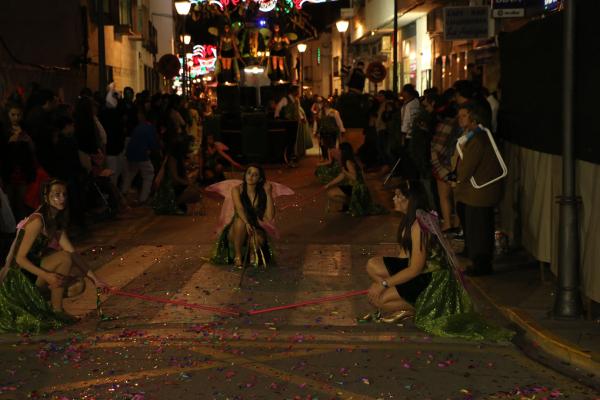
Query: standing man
x=476, y=205
x=356, y=82
x=410, y=109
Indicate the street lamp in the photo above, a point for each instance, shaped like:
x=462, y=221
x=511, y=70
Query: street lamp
x=342, y=27
x=185, y=39
x=183, y=8
x=301, y=50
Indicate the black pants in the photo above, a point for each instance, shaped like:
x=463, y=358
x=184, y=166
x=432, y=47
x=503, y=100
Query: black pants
x=478, y=227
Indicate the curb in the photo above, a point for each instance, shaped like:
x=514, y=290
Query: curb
x=550, y=343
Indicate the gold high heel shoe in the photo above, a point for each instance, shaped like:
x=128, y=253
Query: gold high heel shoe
x=370, y=317
x=237, y=262
x=399, y=316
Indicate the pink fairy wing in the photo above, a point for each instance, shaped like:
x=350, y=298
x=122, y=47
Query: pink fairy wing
x=224, y=189
x=227, y=210
x=280, y=190
x=429, y=222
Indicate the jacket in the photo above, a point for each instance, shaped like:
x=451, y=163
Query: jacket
x=479, y=161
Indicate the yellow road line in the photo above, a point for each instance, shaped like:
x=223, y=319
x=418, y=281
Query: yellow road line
x=224, y=360
x=127, y=377
x=303, y=381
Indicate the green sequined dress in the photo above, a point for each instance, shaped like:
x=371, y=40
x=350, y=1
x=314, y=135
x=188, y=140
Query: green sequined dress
x=361, y=203
x=444, y=308
x=224, y=252
x=23, y=309
x=327, y=172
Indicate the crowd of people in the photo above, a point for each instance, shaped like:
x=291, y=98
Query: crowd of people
x=439, y=144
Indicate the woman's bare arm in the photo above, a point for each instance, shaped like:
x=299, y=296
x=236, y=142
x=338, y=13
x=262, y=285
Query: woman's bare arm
x=270, y=209
x=237, y=202
x=335, y=180
x=351, y=170
x=33, y=228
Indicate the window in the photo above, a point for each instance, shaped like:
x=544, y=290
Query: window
x=125, y=14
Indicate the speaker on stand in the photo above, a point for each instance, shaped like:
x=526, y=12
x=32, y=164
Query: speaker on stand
x=228, y=99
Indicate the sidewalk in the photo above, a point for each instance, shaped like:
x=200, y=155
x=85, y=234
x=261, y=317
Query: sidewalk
x=517, y=291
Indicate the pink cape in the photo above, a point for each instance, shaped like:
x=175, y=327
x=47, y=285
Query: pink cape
x=227, y=210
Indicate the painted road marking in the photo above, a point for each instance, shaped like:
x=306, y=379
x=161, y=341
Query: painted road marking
x=117, y=273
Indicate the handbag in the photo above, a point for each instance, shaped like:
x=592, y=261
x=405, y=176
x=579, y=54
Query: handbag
x=498, y=156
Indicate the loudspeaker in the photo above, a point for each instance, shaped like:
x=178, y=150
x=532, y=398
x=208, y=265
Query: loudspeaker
x=228, y=99
x=249, y=97
x=274, y=93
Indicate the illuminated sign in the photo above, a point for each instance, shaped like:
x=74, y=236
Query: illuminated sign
x=202, y=60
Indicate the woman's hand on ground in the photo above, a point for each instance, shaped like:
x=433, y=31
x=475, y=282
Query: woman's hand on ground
x=375, y=292
x=54, y=280
x=95, y=279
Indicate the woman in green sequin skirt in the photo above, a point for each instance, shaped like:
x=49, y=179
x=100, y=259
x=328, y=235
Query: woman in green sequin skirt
x=252, y=220
x=349, y=187
x=423, y=282
x=23, y=308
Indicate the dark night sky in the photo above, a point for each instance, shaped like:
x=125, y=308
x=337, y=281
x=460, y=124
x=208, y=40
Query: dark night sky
x=324, y=14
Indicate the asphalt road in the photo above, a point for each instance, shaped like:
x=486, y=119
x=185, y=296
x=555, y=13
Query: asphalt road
x=146, y=350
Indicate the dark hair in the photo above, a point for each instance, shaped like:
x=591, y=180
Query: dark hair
x=417, y=199
x=62, y=121
x=464, y=88
x=252, y=214
x=476, y=112
x=347, y=154
x=409, y=88
x=60, y=221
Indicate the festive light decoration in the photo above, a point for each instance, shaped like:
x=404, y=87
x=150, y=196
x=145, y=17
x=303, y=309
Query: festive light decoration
x=204, y=59
x=263, y=5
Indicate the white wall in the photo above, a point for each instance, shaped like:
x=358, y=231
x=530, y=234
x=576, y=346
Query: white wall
x=424, y=58
x=378, y=12
x=164, y=25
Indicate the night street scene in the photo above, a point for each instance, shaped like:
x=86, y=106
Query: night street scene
x=299, y=199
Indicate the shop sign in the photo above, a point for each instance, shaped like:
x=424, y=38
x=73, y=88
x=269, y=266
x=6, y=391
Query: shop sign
x=376, y=72
x=508, y=8
x=466, y=23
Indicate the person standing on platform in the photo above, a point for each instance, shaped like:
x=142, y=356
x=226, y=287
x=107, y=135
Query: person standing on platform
x=289, y=108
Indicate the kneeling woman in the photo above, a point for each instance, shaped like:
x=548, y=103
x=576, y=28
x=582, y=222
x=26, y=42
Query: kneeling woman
x=423, y=282
x=349, y=187
x=23, y=308
x=253, y=216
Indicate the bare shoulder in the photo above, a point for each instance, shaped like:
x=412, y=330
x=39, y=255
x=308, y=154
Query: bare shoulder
x=415, y=229
x=35, y=223
x=236, y=190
